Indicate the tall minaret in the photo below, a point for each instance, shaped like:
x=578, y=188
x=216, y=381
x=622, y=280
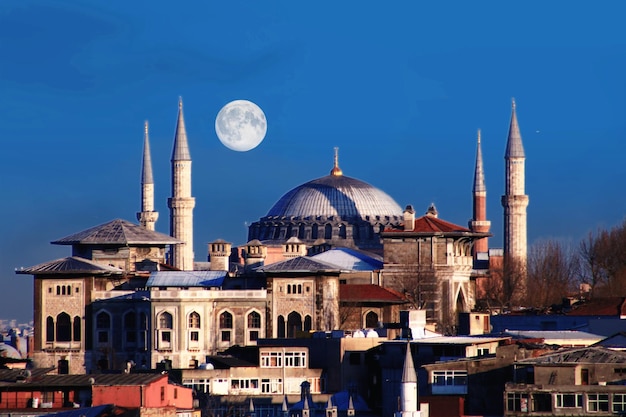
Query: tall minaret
x=515, y=201
x=409, y=402
x=147, y=216
x=479, y=222
x=181, y=203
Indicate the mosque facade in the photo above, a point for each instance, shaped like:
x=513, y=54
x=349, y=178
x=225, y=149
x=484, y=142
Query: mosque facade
x=128, y=294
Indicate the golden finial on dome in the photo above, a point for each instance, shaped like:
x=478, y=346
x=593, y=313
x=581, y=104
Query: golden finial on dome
x=336, y=171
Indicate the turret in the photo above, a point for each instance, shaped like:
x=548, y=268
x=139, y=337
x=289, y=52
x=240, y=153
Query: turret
x=219, y=255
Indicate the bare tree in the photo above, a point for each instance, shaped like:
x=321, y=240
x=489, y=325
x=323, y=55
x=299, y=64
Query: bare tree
x=604, y=260
x=552, y=273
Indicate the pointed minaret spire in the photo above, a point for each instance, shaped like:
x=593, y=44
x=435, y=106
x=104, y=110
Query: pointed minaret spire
x=409, y=403
x=181, y=203
x=479, y=174
x=336, y=171
x=479, y=222
x=514, y=202
x=147, y=216
x=181, y=147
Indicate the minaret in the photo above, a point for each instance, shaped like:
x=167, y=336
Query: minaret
x=147, y=216
x=181, y=203
x=514, y=202
x=479, y=222
x=409, y=404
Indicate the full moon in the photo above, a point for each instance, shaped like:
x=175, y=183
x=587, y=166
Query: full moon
x=241, y=125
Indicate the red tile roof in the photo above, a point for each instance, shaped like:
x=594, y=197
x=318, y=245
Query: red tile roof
x=430, y=224
x=607, y=306
x=369, y=292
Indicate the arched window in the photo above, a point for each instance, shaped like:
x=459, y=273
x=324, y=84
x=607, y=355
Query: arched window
x=314, y=232
x=130, y=327
x=103, y=320
x=130, y=321
x=371, y=320
x=165, y=321
x=226, y=325
x=280, y=327
x=58, y=290
x=302, y=232
x=226, y=320
x=194, y=320
x=342, y=231
x=103, y=326
x=77, y=329
x=328, y=232
x=143, y=321
x=294, y=324
x=254, y=320
x=50, y=329
x=307, y=323
x=64, y=328
x=254, y=324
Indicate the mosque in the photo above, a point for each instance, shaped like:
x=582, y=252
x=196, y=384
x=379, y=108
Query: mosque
x=333, y=253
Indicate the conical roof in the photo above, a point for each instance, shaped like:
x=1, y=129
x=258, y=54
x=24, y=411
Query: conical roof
x=408, y=373
x=514, y=147
x=479, y=174
x=146, y=168
x=181, y=147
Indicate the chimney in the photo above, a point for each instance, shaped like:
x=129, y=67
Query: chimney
x=409, y=218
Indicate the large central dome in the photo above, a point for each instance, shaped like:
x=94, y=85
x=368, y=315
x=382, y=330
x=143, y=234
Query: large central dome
x=335, y=195
x=335, y=209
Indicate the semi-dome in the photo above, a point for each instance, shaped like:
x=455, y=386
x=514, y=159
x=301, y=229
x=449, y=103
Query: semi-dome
x=342, y=211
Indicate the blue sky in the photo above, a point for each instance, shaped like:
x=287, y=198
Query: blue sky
x=400, y=88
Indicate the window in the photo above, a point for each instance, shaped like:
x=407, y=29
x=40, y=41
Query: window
x=76, y=329
x=165, y=321
x=226, y=320
x=49, y=329
x=569, y=400
x=295, y=359
x=443, y=378
x=166, y=337
x=254, y=335
x=271, y=359
x=103, y=320
x=619, y=403
x=254, y=320
x=162, y=393
x=517, y=401
x=64, y=328
x=597, y=402
x=103, y=337
x=482, y=351
x=542, y=402
x=194, y=336
x=371, y=320
x=225, y=336
x=244, y=384
x=194, y=320
x=272, y=386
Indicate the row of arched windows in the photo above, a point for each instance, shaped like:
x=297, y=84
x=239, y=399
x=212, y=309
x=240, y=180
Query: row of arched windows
x=63, y=290
x=63, y=328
